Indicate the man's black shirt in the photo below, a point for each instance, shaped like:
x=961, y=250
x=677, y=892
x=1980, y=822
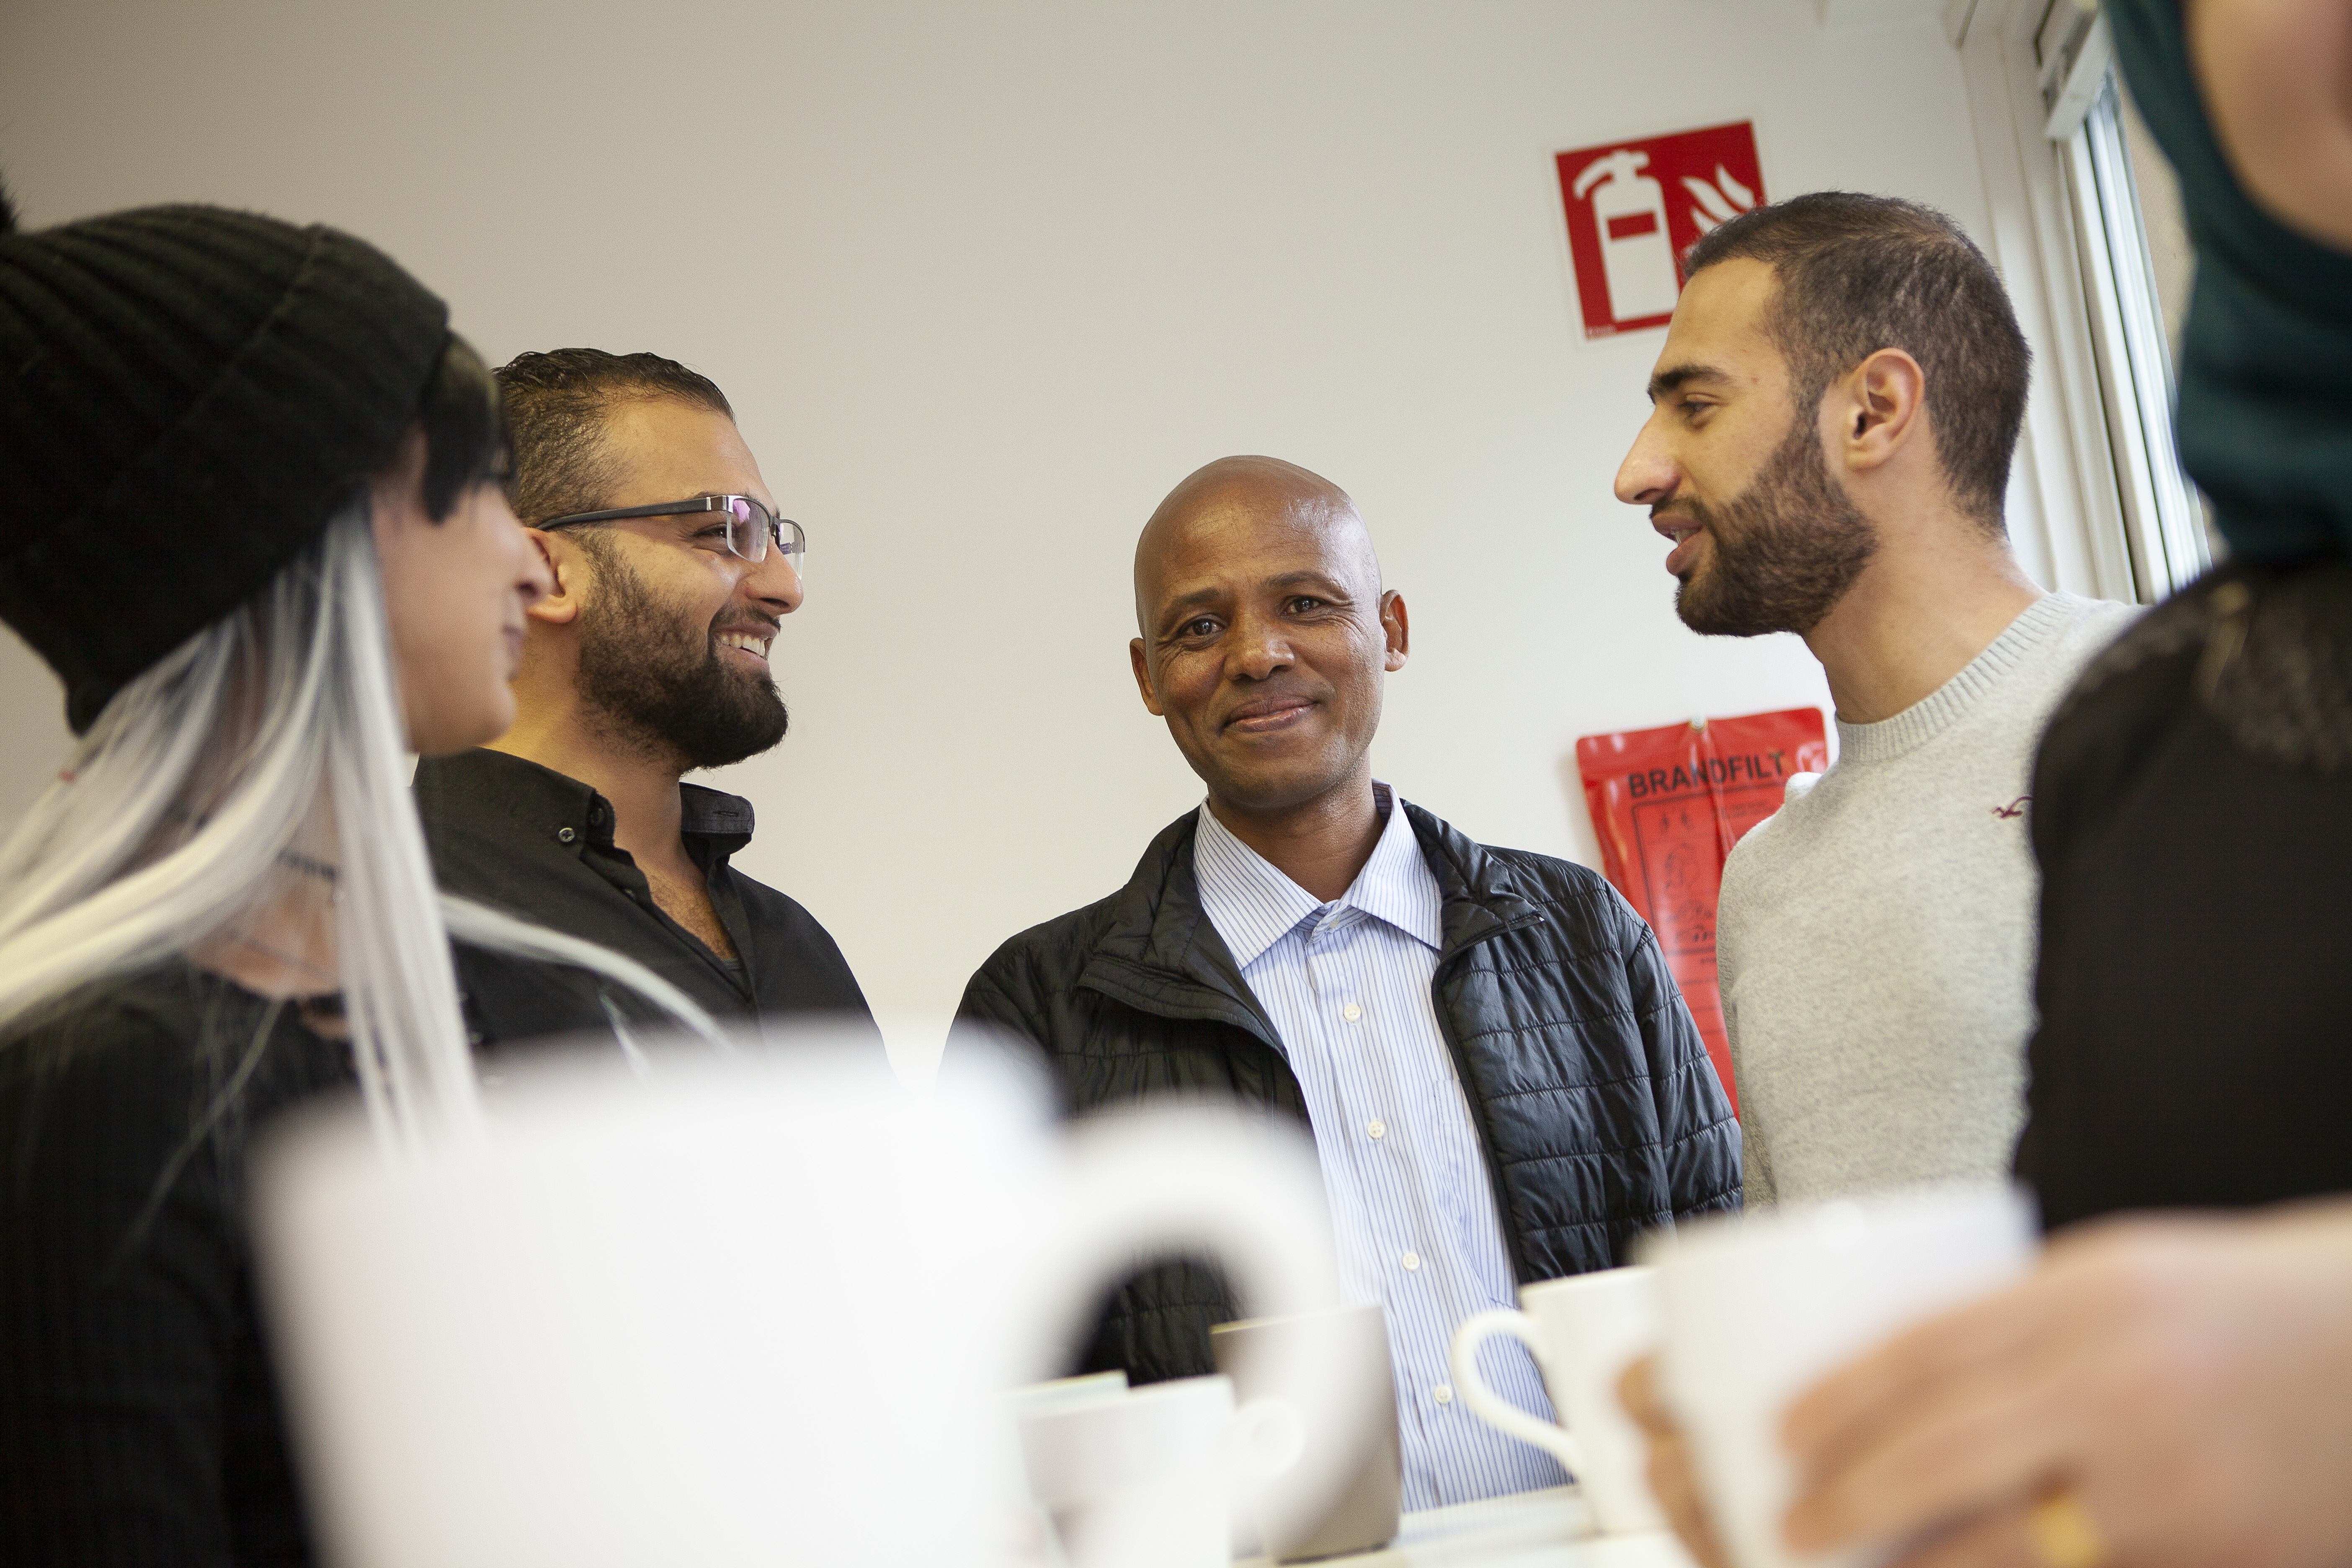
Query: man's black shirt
x=528, y=840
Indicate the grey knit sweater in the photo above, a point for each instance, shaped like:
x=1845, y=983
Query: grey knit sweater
x=1876, y=935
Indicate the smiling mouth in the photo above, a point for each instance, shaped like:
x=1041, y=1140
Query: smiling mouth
x=1261, y=718
x=750, y=643
x=1684, y=532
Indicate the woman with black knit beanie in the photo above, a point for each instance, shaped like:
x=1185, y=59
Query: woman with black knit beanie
x=251, y=514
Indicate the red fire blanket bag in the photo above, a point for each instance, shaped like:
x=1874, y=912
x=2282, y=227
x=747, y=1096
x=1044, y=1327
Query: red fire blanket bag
x=1668, y=804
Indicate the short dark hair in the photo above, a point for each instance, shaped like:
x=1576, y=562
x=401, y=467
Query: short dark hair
x=556, y=405
x=1858, y=274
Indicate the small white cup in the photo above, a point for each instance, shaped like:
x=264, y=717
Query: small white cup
x=1759, y=1308
x=1032, y=1534
x=1066, y=1394
x=1147, y=1480
x=1583, y=1330
x=1254, y=1352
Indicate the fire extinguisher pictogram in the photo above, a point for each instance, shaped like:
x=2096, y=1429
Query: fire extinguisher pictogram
x=1634, y=208
x=1628, y=212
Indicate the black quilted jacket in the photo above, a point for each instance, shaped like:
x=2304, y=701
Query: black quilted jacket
x=1600, y=1113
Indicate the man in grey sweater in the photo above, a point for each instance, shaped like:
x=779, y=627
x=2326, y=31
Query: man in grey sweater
x=1832, y=418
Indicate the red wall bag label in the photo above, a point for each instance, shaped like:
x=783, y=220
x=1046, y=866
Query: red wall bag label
x=1668, y=804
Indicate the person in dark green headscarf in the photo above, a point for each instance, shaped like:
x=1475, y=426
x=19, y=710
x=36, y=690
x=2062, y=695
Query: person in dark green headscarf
x=2174, y=1388
x=2265, y=375
x=2193, y=799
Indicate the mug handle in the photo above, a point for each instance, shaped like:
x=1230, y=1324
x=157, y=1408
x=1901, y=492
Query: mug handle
x=1492, y=1408
x=1206, y=1181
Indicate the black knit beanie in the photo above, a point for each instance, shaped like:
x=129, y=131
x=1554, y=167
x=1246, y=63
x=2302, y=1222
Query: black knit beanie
x=188, y=396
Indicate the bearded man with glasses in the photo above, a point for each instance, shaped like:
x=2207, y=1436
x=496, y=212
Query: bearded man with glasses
x=650, y=660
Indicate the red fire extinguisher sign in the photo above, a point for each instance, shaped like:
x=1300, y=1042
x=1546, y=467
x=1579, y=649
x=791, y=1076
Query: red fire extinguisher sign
x=1635, y=208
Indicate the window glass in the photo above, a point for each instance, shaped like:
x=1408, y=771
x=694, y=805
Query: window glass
x=2169, y=260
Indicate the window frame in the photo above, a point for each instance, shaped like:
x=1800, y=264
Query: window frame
x=2098, y=502
x=2163, y=515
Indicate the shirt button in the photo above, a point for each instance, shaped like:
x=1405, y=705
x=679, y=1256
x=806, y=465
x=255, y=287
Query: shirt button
x=565, y=836
x=1351, y=1012
x=1442, y=1393
x=1411, y=1260
x=1376, y=1128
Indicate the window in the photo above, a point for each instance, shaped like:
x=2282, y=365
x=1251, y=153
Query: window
x=2132, y=252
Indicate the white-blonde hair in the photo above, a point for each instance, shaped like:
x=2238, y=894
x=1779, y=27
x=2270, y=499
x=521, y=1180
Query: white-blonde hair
x=187, y=806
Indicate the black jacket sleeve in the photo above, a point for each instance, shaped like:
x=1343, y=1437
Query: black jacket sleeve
x=1699, y=1136
x=988, y=1004
x=138, y=1417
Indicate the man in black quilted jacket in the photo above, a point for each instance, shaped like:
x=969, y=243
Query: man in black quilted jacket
x=1501, y=1079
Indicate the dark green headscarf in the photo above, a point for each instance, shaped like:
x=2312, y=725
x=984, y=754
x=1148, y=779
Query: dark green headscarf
x=2265, y=417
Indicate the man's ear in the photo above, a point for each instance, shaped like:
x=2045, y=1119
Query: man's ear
x=1399, y=627
x=1135, y=656
x=1881, y=406
x=567, y=569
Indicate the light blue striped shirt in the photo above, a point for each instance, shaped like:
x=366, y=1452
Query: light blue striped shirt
x=1347, y=985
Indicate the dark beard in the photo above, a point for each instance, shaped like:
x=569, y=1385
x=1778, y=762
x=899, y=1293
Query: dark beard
x=659, y=685
x=1782, y=553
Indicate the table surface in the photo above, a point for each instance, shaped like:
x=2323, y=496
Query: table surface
x=1547, y=1527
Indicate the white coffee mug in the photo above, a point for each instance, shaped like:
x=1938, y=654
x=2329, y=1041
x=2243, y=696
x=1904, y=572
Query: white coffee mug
x=1064, y=1394
x=1146, y=1479
x=749, y=1310
x=1584, y=1332
x=1759, y=1308
x=1257, y=1352
x=1033, y=1532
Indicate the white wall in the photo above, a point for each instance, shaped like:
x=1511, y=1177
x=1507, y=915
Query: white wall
x=983, y=281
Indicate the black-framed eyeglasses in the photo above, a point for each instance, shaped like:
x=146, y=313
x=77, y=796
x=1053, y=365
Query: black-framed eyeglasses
x=750, y=525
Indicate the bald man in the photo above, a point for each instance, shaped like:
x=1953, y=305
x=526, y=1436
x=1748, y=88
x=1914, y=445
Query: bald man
x=1500, y=1078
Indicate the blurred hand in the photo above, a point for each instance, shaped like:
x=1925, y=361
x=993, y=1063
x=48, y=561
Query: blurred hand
x=2188, y=1380
x=1671, y=1476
